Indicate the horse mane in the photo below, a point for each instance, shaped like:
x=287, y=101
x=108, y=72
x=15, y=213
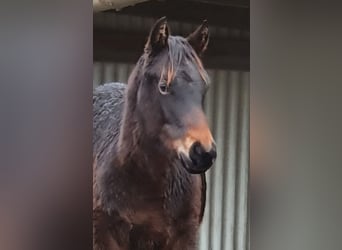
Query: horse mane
x=129, y=128
x=179, y=51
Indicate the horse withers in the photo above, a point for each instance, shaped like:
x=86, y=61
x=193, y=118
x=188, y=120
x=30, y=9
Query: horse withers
x=152, y=146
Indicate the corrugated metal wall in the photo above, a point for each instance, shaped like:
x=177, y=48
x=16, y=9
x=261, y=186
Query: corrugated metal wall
x=227, y=107
x=225, y=224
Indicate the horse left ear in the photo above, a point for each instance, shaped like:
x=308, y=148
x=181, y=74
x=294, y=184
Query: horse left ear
x=158, y=35
x=199, y=39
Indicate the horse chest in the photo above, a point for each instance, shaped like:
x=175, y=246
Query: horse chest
x=180, y=206
x=168, y=197
x=155, y=214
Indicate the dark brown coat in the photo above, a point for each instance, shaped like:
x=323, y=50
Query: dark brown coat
x=144, y=199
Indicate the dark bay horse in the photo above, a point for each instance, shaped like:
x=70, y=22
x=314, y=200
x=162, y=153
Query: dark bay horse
x=152, y=146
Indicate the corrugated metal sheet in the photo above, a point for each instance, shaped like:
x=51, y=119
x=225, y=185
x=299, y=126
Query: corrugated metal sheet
x=225, y=223
x=227, y=107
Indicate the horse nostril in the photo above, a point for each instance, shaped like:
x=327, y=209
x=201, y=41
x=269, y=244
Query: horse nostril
x=200, y=157
x=198, y=149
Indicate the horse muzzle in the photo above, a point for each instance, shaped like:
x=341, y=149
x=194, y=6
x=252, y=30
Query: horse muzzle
x=199, y=160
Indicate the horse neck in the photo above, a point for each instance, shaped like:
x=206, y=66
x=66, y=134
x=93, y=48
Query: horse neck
x=148, y=155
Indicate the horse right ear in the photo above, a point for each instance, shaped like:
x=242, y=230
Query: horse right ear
x=199, y=39
x=159, y=34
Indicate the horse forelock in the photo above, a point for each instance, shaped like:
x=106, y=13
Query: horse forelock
x=166, y=65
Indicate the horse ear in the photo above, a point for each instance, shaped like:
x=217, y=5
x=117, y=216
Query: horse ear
x=199, y=39
x=158, y=35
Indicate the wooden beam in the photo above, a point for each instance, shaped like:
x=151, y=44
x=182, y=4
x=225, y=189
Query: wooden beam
x=231, y=3
x=101, y=5
x=192, y=12
x=127, y=47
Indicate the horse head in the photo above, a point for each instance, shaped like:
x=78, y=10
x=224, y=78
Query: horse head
x=169, y=90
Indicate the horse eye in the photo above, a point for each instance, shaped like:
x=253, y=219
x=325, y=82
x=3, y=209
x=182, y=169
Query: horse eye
x=163, y=88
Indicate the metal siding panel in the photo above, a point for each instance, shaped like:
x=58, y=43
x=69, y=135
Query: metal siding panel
x=217, y=192
x=229, y=174
x=122, y=72
x=109, y=72
x=204, y=235
x=244, y=164
x=232, y=175
x=211, y=177
x=97, y=74
x=225, y=221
